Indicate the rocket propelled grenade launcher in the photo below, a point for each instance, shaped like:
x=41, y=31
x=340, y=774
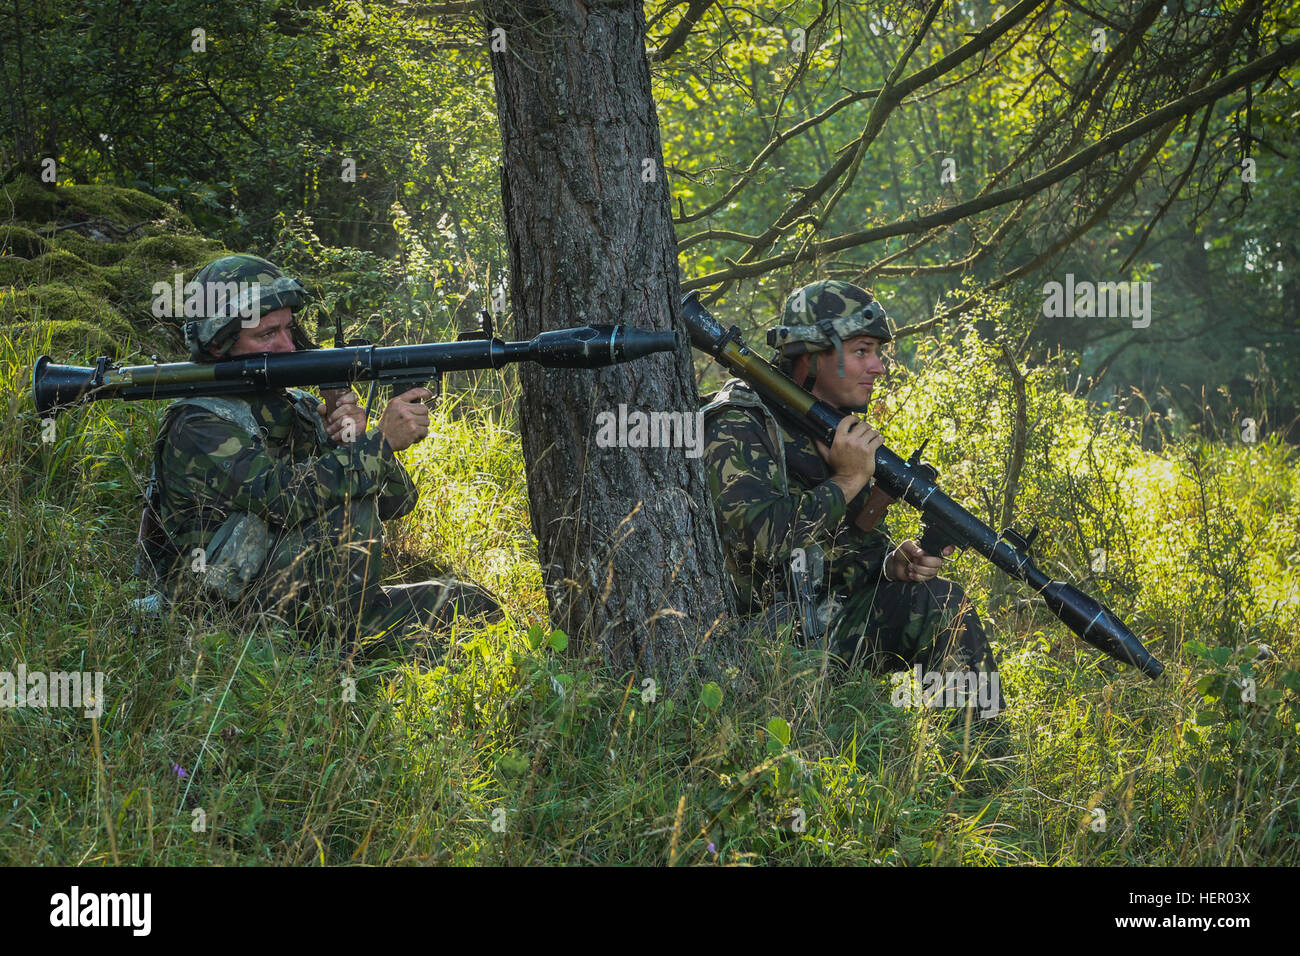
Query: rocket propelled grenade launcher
x=943, y=521
x=56, y=387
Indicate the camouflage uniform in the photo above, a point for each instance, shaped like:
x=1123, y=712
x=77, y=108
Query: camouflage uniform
x=776, y=506
x=305, y=512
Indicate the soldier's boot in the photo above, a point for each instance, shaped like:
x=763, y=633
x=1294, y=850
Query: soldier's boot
x=413, y=621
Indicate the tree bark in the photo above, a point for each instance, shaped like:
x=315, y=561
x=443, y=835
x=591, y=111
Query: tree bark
x=626, y=536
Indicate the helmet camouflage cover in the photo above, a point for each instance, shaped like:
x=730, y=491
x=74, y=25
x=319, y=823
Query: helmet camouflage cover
x=234, y=289
x=821, y=316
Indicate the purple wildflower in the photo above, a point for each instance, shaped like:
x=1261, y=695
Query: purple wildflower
x=180, y=771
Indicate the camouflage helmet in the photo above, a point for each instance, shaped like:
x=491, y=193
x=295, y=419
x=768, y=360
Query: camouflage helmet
x=233, y=289
x=818, y=314
x=820, y=317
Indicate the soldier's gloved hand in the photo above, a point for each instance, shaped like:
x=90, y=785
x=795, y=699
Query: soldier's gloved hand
x=908, y=562
x=406, y=419
x=340, y=408
x=852, y=455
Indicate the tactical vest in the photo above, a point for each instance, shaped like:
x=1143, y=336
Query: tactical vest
x=805, y=577
x=736, y=394
x=239, y=548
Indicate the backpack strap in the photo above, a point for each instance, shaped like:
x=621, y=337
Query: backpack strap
x=735, y=394
x=234, y=410
x=304, y=406
x=802, y=587
x=156, y=547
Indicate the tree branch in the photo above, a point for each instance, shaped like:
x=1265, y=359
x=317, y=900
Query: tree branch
x=681, y=30
x=773, y=144
x=1284, y=55
x=800, y=208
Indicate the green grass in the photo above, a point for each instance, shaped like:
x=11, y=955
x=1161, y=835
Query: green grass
x=520, y=750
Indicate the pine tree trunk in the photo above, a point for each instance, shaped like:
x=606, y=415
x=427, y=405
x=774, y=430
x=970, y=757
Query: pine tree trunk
x=626, y=536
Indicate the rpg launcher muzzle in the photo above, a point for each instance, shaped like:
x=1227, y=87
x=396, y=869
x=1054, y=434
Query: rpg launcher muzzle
x=943, y=521
x=56, y=387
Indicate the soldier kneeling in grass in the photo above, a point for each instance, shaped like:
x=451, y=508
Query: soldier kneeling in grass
x=274, y=501
x=801, y=523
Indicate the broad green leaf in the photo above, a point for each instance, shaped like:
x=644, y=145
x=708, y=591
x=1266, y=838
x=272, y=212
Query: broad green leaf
x=711, y=696
x=780, y=730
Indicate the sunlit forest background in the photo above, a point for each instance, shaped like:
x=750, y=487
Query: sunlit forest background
x=357, y=146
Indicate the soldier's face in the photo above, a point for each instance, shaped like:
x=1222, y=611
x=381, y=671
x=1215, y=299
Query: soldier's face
x=270, y=335
x=863, y=364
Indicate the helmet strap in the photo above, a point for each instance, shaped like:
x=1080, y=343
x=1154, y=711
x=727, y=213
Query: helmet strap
x=828, y=329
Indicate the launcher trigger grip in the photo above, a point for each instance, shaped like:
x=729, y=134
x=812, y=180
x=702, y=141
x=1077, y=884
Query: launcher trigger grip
x=433, y=382
x=934, y=538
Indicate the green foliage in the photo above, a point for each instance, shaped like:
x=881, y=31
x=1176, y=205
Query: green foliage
x=517, y=748
x=1220, y=253
x=390, y=300
x=334, y=111
x=88, y=292
x=250, y=136
x=711, y=696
